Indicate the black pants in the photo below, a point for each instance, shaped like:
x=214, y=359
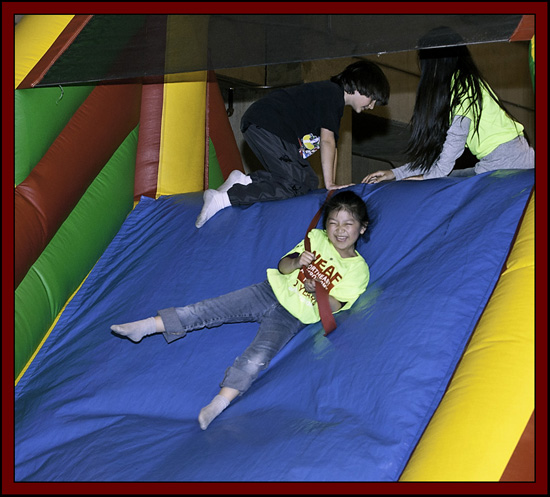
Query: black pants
x=286, y=173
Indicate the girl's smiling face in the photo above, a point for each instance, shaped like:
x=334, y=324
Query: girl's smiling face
x=343, y=230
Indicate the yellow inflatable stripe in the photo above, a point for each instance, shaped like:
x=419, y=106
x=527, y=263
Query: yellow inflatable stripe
x=29, y=362
x=182, y=149
x=523, y=251
x=34, y=35
x=481, y=418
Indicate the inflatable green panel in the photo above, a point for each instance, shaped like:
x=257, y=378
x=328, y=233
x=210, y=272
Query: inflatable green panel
x=73, y=251
x=40, y=115
x=215, y=176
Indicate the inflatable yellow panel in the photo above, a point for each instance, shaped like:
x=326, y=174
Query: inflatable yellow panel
x=34, y=35
x=183, y=145
x=481, y=418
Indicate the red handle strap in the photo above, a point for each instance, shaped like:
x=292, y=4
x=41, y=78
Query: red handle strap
x=321, y=293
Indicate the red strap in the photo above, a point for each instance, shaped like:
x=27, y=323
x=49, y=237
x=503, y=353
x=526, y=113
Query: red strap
x=327, y=318
x=321, y=293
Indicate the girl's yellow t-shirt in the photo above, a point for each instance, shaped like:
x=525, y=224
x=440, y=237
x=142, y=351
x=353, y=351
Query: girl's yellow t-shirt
x=345, y=278
x=495, y=126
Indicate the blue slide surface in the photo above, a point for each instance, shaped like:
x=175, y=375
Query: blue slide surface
x=352, y=406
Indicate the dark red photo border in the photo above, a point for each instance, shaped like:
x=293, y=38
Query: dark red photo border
x=539, y=9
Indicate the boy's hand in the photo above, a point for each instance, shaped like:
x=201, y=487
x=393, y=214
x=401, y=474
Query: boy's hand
x=337, y=187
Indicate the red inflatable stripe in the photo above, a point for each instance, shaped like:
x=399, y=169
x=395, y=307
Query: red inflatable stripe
x=219, y=128
x=148, y=150
x=56, y=184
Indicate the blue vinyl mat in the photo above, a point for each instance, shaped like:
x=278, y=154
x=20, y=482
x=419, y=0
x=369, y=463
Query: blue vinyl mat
x=352, y=406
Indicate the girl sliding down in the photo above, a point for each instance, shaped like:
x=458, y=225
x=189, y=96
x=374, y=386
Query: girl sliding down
x=283, y=304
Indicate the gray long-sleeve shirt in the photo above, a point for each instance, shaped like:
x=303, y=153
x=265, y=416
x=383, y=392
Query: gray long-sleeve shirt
x=514, y=154
x=453, y=148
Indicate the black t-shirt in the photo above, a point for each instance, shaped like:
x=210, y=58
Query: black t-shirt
x=291, y=113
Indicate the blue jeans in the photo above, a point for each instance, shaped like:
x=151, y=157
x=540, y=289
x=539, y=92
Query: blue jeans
x=255, y=303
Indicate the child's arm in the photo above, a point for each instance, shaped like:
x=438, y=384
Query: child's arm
x=335, y=305
x=329, y=159
x=294, y=261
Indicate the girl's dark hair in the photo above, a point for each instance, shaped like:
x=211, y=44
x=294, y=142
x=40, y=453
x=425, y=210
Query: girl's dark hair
x=350, y=202
x=367, y=78
x=448, y=76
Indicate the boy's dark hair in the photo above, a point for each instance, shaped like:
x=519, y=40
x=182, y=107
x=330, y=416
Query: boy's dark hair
x=349, y=201
x=367, y=78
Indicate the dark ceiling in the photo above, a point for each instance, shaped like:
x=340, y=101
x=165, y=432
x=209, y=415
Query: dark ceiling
x=127, y=46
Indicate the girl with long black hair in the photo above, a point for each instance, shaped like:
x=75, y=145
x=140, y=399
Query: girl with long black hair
x=456, y=108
